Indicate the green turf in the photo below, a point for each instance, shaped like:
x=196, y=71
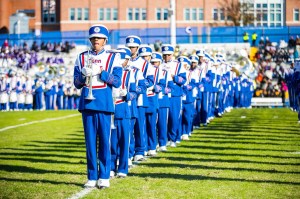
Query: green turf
x=246, y=154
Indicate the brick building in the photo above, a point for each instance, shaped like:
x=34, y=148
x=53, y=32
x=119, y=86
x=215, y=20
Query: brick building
x=73, y=15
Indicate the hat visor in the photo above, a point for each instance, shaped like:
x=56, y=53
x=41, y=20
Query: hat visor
x=132, y=45
x=167, y=52
x=98, y=35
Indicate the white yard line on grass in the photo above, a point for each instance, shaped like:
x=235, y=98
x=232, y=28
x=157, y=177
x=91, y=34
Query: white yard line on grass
x=82, y=193
x=38, y=121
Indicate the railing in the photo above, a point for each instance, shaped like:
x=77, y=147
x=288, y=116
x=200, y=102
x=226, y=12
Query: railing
x=267, y=102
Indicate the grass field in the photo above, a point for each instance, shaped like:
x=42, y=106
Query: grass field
x=246, y=154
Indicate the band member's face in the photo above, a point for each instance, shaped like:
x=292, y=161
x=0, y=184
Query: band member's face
x=155, y=63
x=186, y=66
x=98, y=43
x=147, y=57
x=194, y=65
x=167, y=57
x=133, y=50
x=201, y=59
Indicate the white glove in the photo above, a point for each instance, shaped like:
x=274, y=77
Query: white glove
x=123, y=92
x=86, y=71
x=96, y=70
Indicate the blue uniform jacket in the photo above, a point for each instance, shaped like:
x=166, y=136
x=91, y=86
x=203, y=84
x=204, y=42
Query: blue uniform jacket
x=102, y=83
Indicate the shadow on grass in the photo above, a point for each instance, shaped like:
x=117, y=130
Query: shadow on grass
x=49, y=161
x=38, y=154
x=201, y=177
x=232, y=154
x=39, y=181
x=25, y=169
x=171, y=165
x=237, y=141
x=228, y=136
x=180, y=159
x=226, y=148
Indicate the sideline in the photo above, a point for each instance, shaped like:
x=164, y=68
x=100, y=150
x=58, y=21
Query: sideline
x=38, y=121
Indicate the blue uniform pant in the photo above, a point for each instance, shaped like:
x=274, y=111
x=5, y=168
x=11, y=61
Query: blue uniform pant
x=59, y=102
x=120, y=145
x=179, y=130
x=139, y=130
x=3, y=106
x=97, y=125
x=20, y=106
x=151, y=130
x=162, y=118
x=48, y=99
x=12, y=105
x=204, y=107
x=70, y=102
x=38, y=101
x=174, y=116
x=187, y=118
x=131, y=137
x=28, y=106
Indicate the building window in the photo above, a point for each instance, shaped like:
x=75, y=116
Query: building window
x=130, y=14
x=166, y=14
x=162, y=14
x=194, y=14
x=296, y=14
x=108, y=14
x=215, y=14
x=79, y=14
x=137, y=14
x=187, y=14
x=49, y=11
x=144, y=14
x=86, y=14
x=158, y=14
x=222, y=15
x=72, y=14
x=115, y=14
x=200, y=13
x=101, y=14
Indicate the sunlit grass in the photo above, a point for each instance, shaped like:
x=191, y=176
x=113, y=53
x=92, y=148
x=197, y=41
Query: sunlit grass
x=254, y=156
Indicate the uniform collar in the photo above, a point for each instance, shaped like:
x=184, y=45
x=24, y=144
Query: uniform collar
x=94, y=52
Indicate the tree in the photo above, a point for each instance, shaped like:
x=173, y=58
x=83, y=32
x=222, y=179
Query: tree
x=239, y=12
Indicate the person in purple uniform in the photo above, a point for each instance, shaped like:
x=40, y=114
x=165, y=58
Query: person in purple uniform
x=96, y=71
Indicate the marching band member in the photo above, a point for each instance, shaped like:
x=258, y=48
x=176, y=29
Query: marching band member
x=187, y=98
x=163, y=100
x=39, y=87
x=96, y=71
x=133, y=42
x=136, y=77
x=21, y=100
x=48, y=93
x=60, y=94
x=13, y=84
x=191, y=93
x=178, y=75
x=3, y=92
x=205, y=85
x=120, y=135
x=151, y=111
x=70, y=95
